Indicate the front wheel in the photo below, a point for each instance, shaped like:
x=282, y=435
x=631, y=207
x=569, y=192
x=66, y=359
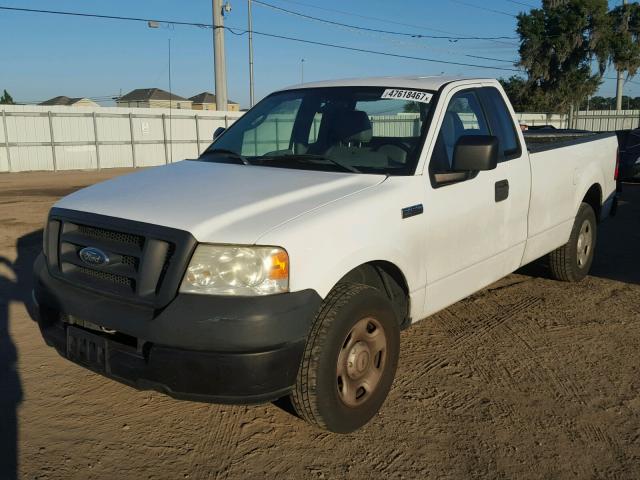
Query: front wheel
x=572, y=261
x=349, y=361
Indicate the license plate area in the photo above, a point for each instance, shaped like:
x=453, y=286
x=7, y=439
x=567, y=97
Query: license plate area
x=86, y=348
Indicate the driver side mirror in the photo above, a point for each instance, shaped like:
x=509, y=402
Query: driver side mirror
x=475, y=152
x=219, y=131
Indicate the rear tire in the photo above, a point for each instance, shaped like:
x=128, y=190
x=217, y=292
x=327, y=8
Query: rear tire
x=572, y=261
x=350, y=359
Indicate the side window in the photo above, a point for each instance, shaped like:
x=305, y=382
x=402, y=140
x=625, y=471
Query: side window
x=501, y=123
x=464, y=116
x=273, y=132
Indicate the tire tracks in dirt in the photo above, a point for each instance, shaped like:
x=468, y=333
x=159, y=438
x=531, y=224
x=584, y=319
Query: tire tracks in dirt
x=222, y=430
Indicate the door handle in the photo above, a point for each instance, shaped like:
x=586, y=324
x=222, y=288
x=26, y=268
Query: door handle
x=502, y=190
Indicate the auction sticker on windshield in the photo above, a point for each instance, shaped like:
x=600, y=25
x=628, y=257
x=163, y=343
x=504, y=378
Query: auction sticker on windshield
x=415, y=95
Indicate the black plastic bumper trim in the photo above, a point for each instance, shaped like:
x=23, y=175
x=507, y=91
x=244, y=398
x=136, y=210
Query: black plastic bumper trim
x=200, y=347
x=237, y=378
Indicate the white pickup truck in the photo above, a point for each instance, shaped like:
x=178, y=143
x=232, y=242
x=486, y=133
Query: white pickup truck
x=286, y=259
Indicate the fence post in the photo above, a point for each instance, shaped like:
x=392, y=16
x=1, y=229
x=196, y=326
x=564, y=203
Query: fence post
x=53, y=143
x=95, y=138
x=133, y=142
x=164, y=139
x=6, y=139
x=197, y=134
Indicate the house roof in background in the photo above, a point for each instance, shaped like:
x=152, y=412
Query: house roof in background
x=206, y=97
x=61, y=100
x=146, y=94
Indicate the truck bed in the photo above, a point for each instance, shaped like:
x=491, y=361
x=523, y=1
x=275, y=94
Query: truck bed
x=542, y=140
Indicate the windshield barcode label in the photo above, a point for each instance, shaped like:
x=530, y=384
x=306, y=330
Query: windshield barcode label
x=415, y=95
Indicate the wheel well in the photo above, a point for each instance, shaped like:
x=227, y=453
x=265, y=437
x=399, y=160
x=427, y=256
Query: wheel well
x=594, y=198
x=389, y=279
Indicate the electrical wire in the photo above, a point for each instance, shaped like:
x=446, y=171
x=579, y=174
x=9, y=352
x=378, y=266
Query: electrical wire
x=266, y=34
x=388, y=32
x=386, y=20
x=376, y=33
x=521, y=3
x=365, y=50
x=479, y=7
x=108, y=17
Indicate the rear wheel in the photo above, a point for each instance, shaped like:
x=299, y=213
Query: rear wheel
x=572, y=261
x=349, y=361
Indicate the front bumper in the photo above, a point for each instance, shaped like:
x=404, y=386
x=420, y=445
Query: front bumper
x=199, y=347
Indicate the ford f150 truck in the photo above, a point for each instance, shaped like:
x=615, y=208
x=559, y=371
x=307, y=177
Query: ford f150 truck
x=287, y=258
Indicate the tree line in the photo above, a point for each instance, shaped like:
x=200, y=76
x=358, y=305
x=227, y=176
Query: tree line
x=566, y=47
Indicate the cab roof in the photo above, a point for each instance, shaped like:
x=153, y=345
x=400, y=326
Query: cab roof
x=409, y=82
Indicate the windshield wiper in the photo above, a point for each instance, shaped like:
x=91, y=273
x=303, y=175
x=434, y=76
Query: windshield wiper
x=231, y=153
x=311, y=158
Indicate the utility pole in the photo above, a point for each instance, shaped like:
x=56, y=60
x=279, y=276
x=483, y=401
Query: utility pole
x=302, y=70
x=170, y=106
x=250, y=28
x=619, y=83
x=220, y=68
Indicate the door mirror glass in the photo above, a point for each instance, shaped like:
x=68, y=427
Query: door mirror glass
x=219, y=131
x=475, y=152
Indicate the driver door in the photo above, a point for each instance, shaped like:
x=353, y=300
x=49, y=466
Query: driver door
x=468, y=241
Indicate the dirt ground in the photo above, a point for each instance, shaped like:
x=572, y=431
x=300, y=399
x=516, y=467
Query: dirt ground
x=530, y=378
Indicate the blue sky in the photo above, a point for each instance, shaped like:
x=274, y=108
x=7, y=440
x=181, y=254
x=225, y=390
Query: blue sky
x=45, y=55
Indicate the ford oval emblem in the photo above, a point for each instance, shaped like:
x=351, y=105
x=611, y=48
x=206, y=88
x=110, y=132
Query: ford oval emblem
x=93, y=256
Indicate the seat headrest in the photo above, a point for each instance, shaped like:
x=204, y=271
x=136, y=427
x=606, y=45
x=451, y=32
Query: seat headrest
x=352, y=126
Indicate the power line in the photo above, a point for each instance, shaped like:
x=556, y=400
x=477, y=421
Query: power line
x=479, y=7
x=521, y=3
x=108, y=17
x=266, y=34
x=377, y=30
x=386, y=20
x=375, y=52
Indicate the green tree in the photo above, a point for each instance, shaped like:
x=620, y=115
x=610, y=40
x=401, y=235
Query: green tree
x=624, y=38
x=411, y=107
x=6, y=99
x=559, y=43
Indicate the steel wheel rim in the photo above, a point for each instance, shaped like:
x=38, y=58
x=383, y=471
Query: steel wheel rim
x=361, y=361
x=585, y=243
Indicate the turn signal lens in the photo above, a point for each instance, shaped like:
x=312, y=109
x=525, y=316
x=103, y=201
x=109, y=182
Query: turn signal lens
x=279, y=266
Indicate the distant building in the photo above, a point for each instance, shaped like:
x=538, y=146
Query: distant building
x=70, y=102
x=153, y=98
x=207, y=101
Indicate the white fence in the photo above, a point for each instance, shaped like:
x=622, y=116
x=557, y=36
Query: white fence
x=605, y=120
x=592, y=120
x=72, y=138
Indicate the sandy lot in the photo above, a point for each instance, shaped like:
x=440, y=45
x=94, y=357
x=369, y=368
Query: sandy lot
x=529, y=378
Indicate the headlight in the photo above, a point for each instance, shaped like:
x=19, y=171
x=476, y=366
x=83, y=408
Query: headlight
x=235, y=270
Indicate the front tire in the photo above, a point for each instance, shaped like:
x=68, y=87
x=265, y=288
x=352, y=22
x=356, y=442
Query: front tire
x=572, y=261
x=349, y=361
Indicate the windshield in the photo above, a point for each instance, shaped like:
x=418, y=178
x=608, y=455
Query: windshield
x=351, y=129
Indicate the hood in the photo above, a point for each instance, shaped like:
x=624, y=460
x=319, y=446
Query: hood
x=216, y=202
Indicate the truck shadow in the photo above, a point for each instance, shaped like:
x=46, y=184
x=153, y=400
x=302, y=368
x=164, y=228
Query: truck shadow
x=15, y=286
x=617, y=255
